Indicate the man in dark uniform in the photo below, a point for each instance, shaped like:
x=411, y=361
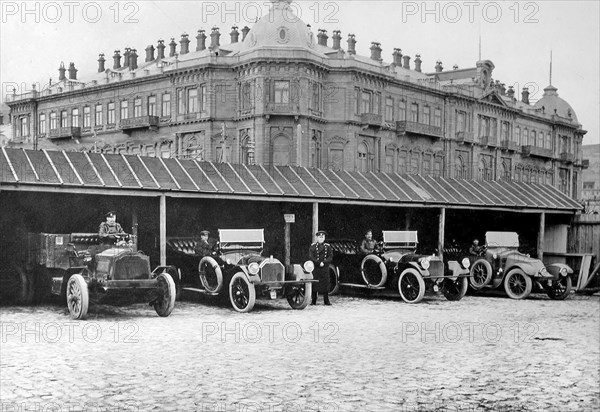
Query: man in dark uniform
x=205, y=247
x=368, y=244
x=321, y=254
x=110, y=231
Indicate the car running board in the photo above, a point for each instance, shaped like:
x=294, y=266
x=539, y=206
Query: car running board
x=356, y=285
x=203, y=291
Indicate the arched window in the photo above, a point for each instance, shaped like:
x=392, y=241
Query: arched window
x=244, y=149
x=459, y=172
x=193, y=148
x=505, y=172
x=281, y=151
x=363, y=157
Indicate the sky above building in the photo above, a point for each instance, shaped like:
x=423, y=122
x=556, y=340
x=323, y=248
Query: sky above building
x=518, y=37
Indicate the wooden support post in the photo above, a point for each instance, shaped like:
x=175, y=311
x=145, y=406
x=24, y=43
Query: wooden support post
x=163, y=230
x=441, y=234
x=541, y=234
x=315, y=221
x=287, y=244
x=134, y=227
x=407, y=219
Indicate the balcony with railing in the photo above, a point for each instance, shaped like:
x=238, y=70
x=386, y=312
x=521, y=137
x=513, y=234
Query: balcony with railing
x=371, y=119
x=465, y=137
x=488, y=141
x=509, y=145
x=142, y=122
x=567, y=157
x=405, y=126
x=64, y=133
x=530, y=150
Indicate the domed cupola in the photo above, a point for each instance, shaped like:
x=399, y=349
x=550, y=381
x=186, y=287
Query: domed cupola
x=280, y=28
x=551, y=103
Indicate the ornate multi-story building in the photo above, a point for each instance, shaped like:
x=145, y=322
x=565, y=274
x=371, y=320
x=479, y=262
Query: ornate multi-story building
x=277, y=95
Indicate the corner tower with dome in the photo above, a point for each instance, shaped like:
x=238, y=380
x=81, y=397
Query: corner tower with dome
x=283, y=93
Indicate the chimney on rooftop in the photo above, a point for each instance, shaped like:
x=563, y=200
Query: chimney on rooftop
x=406, y=62
x=200, y=40
x=150, y=53
x=525, y=95
x=160, y=48
x=397, y=56
x=511, y=92
x=235, y=34
x=438, y=66
x=351, y=44
x=185, y=44
x=375, y=51
x=61, y=72
x=337, y=39
x=214, y=38
x=101, y=61
x=133, y=59
x=72, y=71
x=117, y=60
x=418, y=62
x=245, y=32
x=126, y=57
x=172, y=47
x=322, y=37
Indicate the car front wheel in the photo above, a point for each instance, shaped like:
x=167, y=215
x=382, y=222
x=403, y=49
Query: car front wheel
x=560, y=289
x=78, y=299
x=517, y=284
x=481, y=274
x=300, y=295
x=166, y=293
x=241, y=293
x=455, y=289
x=411, y=286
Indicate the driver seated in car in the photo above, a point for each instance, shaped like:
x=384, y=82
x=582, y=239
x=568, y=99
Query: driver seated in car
x=111, y=232
x=475, y=249
x=368, y=244
x=206, y=247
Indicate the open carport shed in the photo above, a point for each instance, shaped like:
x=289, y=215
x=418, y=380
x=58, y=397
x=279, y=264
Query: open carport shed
x=95, y=174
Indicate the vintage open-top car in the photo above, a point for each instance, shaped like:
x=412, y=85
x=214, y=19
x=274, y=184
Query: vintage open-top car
x=76, y=267
x=239, y=270
x=395, y=265
x=501, y=263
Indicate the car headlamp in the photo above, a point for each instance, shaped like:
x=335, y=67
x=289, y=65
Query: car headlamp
x=466, y=263
x=309, y=266
x=495, y=256
x=229, y=261
x=563, y=271
x=424, y=262
x=253, y=268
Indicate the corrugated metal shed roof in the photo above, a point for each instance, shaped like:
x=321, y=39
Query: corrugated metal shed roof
x=112, y=171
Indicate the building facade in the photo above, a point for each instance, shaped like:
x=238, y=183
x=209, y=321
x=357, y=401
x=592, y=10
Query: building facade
x=278, y=95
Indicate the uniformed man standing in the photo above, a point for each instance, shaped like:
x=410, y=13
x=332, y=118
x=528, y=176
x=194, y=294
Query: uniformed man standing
x=321, y=254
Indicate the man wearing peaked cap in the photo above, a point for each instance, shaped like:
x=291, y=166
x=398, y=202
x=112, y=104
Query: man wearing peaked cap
x=321, y=254
x=204, y=247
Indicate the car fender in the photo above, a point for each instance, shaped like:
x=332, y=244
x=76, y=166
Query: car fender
x=415, y=265
x=554, y=269
x=456, y=269
x=67, y=275
x=298, y=273
x=527, y=269
x=244, y=269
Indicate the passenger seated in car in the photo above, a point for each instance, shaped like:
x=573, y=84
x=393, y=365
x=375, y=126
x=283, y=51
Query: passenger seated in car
x=110, y=232
x=206, y=247
x=475, y=249
x=368, y=244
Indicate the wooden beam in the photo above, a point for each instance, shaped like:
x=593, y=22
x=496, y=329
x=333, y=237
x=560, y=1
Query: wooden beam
x=441, y=229
x=163, y=230
x=134, y=227
x=315, y=220
x=287, y=245
x=541, y=234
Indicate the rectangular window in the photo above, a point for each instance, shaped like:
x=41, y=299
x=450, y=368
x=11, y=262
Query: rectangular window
x=366, y=102
x=518, y=135
x=358, y=98
x=180, y=102
x=389, y=109
x=437, y=117
x=505, y=128
x=42, y=123
x=151, y=105
x=493, y=128
x=389, y=161
x=461, y=124
x=63, y=118
x=414, y=113
x=111, y=113
x=166, y=105
x=316, y=97
x=525, y=137
x=53, y=122
x=426, y=115
x=124, y=109
x=548, y=141
x=75, y=118
x=87, y=116
x=427, y=164
x=245, y=97
x=192, y=100
x=402, y=111
x=24, y=126
x=377, y=103
x=137, y=107
x=282, y=92
x=203, y=99
x=98, y=115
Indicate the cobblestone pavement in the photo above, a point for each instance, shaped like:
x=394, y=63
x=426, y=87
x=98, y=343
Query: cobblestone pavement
x=482, y=353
